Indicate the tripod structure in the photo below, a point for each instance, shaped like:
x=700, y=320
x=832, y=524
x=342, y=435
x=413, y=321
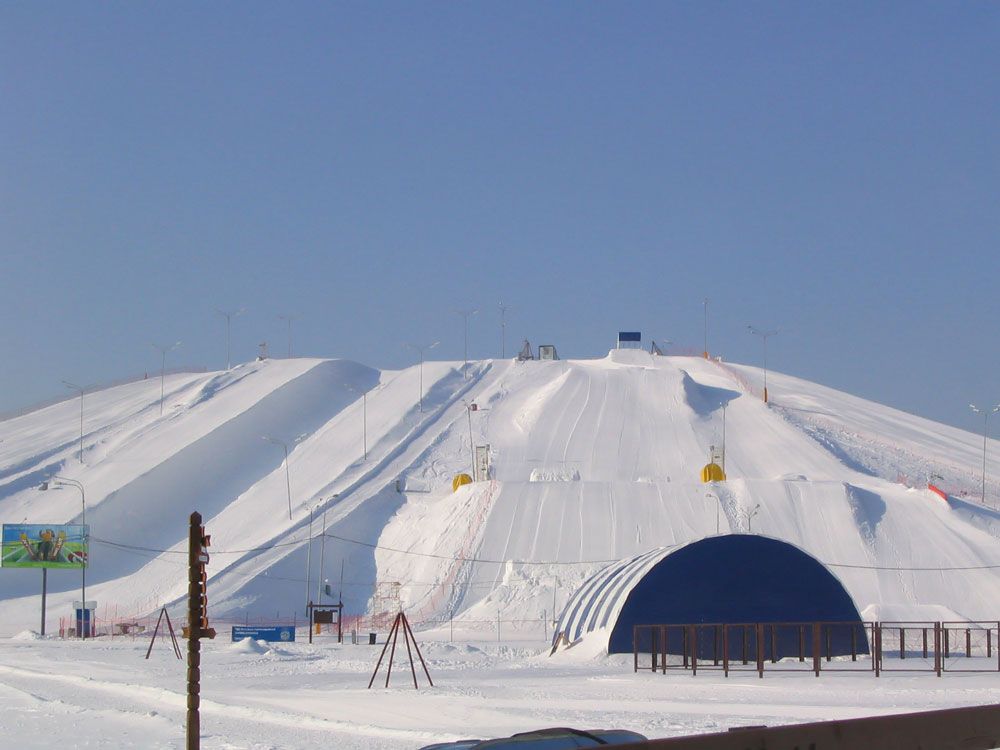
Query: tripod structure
x=400, y=623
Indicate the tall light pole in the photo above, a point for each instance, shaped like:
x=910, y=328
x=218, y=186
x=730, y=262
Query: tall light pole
x=764, y=335
x=309, y=549
x=421, y=349
x=723, y=404
x=66, y=482
x=472, y=449
x=229, y=319
x=705, y=350
x=466, y=314
x=79, y=388
x=288, y=482
x=289, y=319
x=750, y=515
x=986, y=417
x=503, y=330
x=718, y=509
x=163, y=365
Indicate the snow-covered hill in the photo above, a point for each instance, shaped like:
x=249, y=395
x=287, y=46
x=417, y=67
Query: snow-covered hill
x=592, y=461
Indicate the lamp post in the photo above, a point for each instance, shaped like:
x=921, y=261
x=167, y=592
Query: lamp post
x=466, y=314
x=750, y=516
x=309, y=549
x=705, y=350
x=724, y=405
x=289, y=319
x=229, y=319
x=986, y=417
x=288, y=482
x=421, y=349
x=764, y=335
x=503, y=330
x=79, y=388
x=718, y=509
x=163, y=365
x=472, y=450
x=58, y=481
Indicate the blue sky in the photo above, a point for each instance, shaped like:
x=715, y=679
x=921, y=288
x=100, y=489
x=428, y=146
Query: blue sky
x=830, y=169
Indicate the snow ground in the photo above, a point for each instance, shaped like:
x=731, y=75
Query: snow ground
x=103, y=694
x=592, y=461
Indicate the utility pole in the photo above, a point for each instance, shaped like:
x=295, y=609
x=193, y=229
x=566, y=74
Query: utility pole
x=289, y=319
x=229, y=319
x=705, y=350
x=503, y=330
x=421, y=349
x=764, y=335
x=163, y=365
x=986, y=416
x=466, y=314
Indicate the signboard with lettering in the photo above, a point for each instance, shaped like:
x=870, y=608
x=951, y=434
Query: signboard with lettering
x=277, y=634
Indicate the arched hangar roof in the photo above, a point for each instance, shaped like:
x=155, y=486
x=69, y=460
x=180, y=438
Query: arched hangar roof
x=734, y=578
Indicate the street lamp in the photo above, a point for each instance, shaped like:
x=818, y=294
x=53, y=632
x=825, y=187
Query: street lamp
x=466, y=314
x=718, y=509
x=705, y=350
x=288, y=483
x=309, y=549
x=503, y=330
x=472, y=451
x=724, y=405
x=66, y=482
x=79, y=388
x=764, y=335
x=229, y=319
x=750, y=515
x=421, y=349
x=289, y=319
x=986, y=416
x=163, y=364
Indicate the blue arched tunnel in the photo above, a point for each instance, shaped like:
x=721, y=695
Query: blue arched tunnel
x=740, y=578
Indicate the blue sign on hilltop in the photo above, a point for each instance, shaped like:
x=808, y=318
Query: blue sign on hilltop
x=281, y=633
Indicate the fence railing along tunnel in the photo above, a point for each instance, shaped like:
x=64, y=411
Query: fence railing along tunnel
x=819, y=646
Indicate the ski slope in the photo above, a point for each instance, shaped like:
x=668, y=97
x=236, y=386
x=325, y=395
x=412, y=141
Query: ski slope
x=592, y=461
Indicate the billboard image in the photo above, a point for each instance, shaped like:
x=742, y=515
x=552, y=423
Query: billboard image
x=39, y=545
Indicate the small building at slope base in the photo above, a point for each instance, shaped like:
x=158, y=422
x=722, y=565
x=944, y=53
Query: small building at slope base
x=729, y=579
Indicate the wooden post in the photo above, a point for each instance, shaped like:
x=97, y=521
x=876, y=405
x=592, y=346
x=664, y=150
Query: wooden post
x=816, y=647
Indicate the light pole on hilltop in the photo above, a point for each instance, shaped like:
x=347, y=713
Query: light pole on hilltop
x=705, y=350
x=724, y=404
x=79, y=388
x=229, y=319
x=421, y=349
x=503, y=330
x=472, y=450
x=764, y=335
x=58, y=481
x=288, y=481
x=986, y=417
x=288, y=319
x=163, y=365
x=466, y=314
x=750, y=515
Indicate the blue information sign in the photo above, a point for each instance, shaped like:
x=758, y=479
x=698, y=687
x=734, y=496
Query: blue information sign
x=630, y=336
x=281, y=633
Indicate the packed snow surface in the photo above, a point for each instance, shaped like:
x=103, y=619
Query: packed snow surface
x=591, y=461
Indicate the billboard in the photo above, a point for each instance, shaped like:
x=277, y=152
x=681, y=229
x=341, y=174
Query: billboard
x=43, y=545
